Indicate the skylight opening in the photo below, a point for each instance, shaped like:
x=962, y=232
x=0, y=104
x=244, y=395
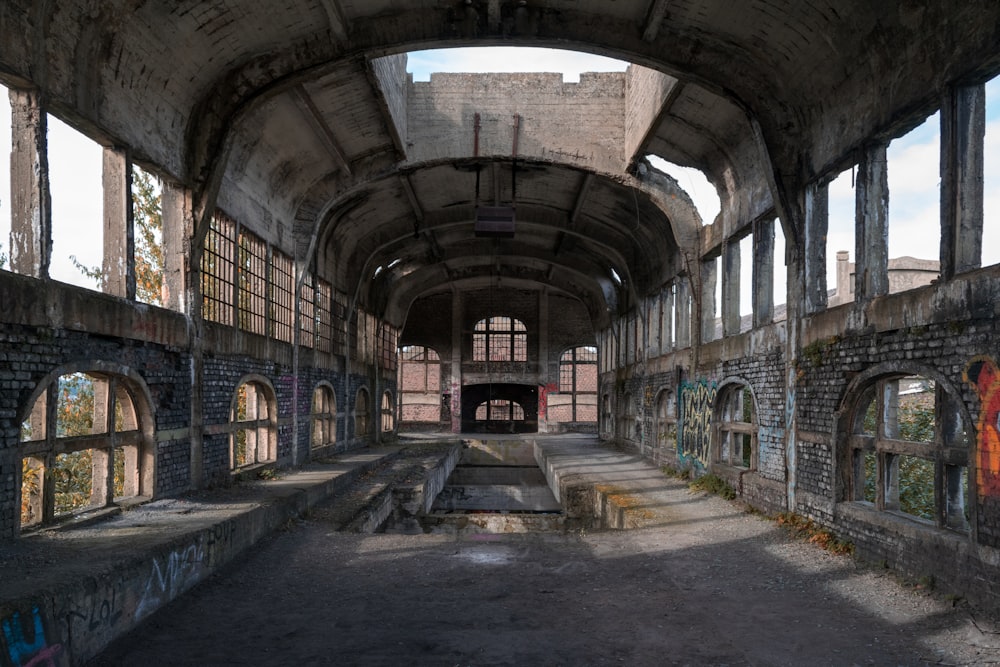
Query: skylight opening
x=696, y=184
x=421, y=64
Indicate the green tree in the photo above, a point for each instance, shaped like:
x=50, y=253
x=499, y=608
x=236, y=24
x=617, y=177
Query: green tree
x=148, y=218
x=148, y=211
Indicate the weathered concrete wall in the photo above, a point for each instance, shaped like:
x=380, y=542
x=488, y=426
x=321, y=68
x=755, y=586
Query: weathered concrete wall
x=394, y=82
x=579, y=123
x=58, y=329
x=946, y=332
x=646, y=92
x=69, y=618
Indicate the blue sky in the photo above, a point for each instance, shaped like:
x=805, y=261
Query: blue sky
x=913, y=170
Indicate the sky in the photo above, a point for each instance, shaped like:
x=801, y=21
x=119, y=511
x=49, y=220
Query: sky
x=75, y=167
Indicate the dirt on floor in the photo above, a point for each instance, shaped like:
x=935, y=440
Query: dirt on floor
x=713, y=585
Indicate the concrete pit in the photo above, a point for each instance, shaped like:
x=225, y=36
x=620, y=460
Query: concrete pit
x=496, y=487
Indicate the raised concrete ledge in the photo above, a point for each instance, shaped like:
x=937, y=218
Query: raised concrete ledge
x=66, y=594
x=601, y=488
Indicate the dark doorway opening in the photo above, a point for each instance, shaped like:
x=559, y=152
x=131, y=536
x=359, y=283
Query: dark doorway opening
x=499, y=408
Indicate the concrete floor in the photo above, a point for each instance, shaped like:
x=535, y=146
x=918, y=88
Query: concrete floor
x=701, y=582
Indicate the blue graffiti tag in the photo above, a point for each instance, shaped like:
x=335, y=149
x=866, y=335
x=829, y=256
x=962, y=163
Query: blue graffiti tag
x=24, y=653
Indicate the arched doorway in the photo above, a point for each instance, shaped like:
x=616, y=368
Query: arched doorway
x=500, y=408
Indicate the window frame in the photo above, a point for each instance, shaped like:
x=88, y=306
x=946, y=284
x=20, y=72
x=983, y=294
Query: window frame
x=261, y=430
x=126, y=450
x=362, y=417
x=324, y=416
x=388, y=412
x=421, y=363
x=570, y=365
x=727, y=425
x=666, y=418
x=949, y=454
x=488, y=338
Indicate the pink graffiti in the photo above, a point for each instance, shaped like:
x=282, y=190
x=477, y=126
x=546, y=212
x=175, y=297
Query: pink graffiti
x=543, y=398
x=47, y=656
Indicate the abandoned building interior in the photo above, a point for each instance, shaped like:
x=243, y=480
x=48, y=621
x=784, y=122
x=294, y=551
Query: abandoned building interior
x=348, y=254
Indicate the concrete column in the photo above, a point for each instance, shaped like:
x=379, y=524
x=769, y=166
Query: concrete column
x=31, y=201
x=730, y=289
x=118, y=267
x=709, y=276
x=817, y=222
x=178, y=230
x=763, y=272
x=963, y=129
x=871, y=225
x=102, y=486
x=545, y=372
x=457, y=316
x=667, y=301
x=682, y=307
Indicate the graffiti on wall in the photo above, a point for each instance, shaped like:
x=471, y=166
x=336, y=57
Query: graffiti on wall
x=982, y=373
x=178, y=572
x=543, y=398
x=695, y=427
x=26, y=643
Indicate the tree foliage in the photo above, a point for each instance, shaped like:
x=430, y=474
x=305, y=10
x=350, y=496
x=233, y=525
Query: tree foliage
x=915, y=475
x=148, y=220
x=148, y=211
x=71, y=474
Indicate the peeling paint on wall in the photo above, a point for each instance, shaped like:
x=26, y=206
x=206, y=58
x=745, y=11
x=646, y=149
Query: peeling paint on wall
x=982, y=373
x=695, y=427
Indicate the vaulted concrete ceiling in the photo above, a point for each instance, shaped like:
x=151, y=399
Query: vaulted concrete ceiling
x=285, y=114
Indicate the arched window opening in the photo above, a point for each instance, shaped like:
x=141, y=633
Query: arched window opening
x=388, y=413
x=909, y=451
x=736, y=427
x=577, y=397
x=628, y=414
x=324, y=416
x=253, y=425
x=362, y=416
x=666, y=420
x=500, y=338
x=83, y=447
x=419, y=385
x=607, y=417
x=500, y=411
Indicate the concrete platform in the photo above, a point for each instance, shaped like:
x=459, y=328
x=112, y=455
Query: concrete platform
x=66, y=593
